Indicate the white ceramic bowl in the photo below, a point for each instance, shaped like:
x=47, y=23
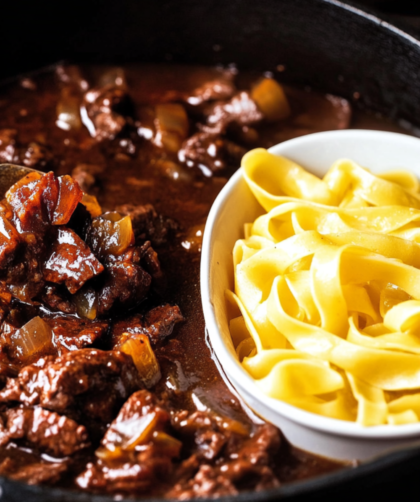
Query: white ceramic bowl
x=236, y=205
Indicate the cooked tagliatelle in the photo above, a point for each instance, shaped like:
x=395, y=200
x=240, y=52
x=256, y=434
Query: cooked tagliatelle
x=327, y=290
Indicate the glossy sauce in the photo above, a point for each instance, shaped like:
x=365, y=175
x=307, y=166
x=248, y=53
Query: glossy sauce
x=136, y=171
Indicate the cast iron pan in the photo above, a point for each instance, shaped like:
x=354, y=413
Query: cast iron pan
x=326, y=44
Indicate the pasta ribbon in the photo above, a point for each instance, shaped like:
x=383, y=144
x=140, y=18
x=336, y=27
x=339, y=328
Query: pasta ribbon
x=327, y=290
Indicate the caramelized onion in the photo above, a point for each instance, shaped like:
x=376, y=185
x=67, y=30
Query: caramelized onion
x=139, y=348
x=171, y=126
x=68, y=110
x=92, y=205
x=86, y=303
x=271, y=99
x=34, y=337
x=167, y=444
x=111, y=233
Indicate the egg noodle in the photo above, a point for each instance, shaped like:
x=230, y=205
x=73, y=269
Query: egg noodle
x=327, y=290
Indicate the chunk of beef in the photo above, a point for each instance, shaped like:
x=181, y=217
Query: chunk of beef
x=71, y=261
x=246, y=464
x=241, y=109
x=40, y=200
x=120, y=466
x=126, y=282
x=151, y=263
x=49, y=432
x=86, y=385
x=33, y=473
x=160, y=321
x=8, y=147
x=86, y=175
x=105, y=108
x=27, y=201
x=71, y=333
x=208, y=482
x=217, y=89
x=158, y=324
x=210, y=152
x=23, y=276
x=147, y=224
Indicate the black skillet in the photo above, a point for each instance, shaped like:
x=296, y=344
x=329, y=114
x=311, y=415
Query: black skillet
x=326, y=44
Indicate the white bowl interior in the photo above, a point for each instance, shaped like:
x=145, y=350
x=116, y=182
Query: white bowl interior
x=236, y=205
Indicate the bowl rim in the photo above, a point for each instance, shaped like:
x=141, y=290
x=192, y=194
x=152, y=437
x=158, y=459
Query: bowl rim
x=233, y=369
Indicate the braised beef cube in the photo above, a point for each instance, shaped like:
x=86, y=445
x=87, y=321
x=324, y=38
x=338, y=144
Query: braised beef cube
x=38, y=200
x=126, y=283
x=210, y=153
x=87, y=385
x=24, y=275
x=158, y=324
x=26, y=199
x=33, y=473
x=71, y=333
x=208, y=482
x=71, y=262
x=244, y=464
x=106, y=108
x=241, y=109
x=8, y=149
x=210, y=443
x=147, y=224
x=160, y=321
x=49, y=432
x=123, y=467
x=217, y=89
x=150, y=261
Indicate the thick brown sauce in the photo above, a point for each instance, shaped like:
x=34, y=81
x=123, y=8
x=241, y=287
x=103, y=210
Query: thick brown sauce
x=134, y=178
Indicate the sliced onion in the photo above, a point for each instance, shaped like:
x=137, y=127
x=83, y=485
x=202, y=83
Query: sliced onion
x=86, y=303
x=271, y=99
x=139, y=348
x=111, y=233
x=34, y=337
x=92, y=205
x=171, y=126
x=68, y=110
x=167, y=444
